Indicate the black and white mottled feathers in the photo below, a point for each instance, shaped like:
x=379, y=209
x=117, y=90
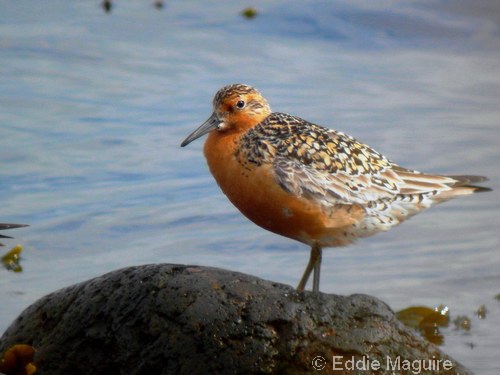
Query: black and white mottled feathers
x=332, y=168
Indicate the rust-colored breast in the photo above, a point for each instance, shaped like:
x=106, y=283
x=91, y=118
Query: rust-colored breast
x=254, y=189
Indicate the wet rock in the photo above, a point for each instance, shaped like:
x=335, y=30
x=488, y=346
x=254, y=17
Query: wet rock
x=173, y=319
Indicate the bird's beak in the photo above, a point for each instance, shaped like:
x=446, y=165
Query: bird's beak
x=212, y=123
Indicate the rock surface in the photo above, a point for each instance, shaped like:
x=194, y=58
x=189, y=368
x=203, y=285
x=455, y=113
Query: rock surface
x=175, y=319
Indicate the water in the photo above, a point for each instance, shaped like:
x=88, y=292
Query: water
x=94, y=107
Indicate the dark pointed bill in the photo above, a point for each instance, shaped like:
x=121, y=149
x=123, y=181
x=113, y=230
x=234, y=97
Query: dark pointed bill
x=11, y=226
x=211, y=124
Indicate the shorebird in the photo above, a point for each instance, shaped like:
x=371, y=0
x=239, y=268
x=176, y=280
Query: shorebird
x=315, y=185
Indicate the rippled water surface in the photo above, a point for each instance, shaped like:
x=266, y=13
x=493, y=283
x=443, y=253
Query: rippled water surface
x=95, y=105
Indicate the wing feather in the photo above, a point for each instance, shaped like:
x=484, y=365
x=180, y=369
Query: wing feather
x=333, y=188
x=330, y=168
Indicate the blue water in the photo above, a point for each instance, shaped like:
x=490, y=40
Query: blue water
x=93, y=107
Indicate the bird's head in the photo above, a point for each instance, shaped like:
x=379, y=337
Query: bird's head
x=236, y=108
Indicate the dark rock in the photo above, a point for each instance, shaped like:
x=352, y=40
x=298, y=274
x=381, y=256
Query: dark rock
x=172, y=319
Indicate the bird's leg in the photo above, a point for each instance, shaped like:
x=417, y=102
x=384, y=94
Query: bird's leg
x=317, y=269
x=314, y=264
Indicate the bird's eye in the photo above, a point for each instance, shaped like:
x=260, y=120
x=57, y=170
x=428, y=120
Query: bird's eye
x=240, y=104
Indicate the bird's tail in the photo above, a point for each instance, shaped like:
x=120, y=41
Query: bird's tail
x=463, y=185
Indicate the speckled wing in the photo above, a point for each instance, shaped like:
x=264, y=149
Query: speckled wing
x=324, y=187
x=332, y=168
x=320, y=164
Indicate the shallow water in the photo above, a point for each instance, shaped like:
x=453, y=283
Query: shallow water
x=94, y=107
